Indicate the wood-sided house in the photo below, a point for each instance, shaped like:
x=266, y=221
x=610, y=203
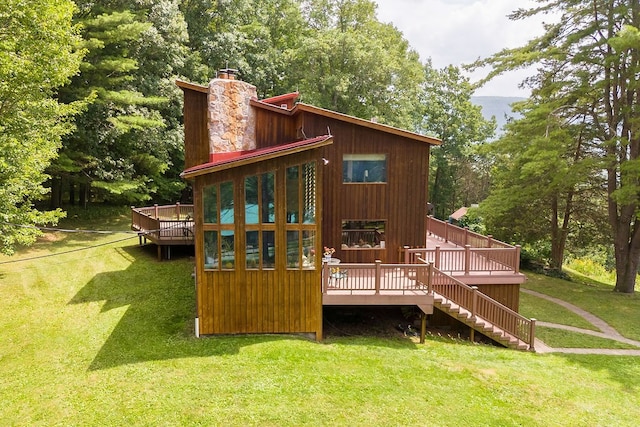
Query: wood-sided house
x=275, y=182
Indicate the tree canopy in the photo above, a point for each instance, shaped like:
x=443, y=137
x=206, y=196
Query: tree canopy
x=590, y=59
x=38, y=54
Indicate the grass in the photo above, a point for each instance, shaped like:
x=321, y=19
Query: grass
x=618, y=310
x=104, y=336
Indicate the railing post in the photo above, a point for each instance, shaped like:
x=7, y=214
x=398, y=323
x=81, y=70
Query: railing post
x=155, y=209
x=437, y=257
x=407, y=255
x=467, y=258
x=466, y=236
x=474, y=302
x=178, y=210
x=429, y=278
x=489, y=241
x=446, y=231
x=378, y=274
x=532, y=335
x=517, y=260
x=325, y=277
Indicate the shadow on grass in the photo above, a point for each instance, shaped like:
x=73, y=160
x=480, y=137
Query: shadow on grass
x=624, y=370
x=158, y=323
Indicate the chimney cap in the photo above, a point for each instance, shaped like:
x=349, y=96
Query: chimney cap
x=227, y=73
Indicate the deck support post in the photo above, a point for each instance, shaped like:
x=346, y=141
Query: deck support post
x=423, y=327
x=159, y=253
x=474, y=309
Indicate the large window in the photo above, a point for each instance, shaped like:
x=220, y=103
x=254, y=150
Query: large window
x=260, y=218
x=363, y=234
x=360, y=168
x=219, y=236
x=301, y=216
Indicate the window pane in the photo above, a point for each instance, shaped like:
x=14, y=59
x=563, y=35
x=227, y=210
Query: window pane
x=363, y=234
x=293, y=185
x=210, y=202
x=268, y=199
x=253, y=249
x=309, y=249
x=226, y=203
x=309, y=193
x=293, y=249
x=251, y=200
x=364, y=168
x=211, y=249
x=228, y=253
x=268, y=249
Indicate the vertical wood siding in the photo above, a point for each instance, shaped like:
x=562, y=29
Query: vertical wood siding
x=401, y=201
x=196, y=133
x=257, y=301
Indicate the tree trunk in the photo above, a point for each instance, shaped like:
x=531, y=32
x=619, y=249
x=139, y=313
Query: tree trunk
x=627, y=253
x=72, y=192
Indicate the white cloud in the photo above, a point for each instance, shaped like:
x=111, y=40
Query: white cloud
x=460, y=31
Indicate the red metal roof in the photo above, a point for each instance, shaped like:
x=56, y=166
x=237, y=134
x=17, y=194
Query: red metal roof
x=280, y=100
x=220, y=161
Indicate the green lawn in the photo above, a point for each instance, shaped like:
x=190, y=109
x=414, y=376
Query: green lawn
x=104, y=336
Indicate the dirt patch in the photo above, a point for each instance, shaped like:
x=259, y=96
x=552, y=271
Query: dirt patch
x=368, y=321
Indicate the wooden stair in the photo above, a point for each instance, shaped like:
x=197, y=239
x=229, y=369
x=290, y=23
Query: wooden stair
x=478, y=324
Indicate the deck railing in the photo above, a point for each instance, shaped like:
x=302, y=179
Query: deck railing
x=376, y=277
x=462, y=236
x=477, y=253
x=468, y=260
x=173, y=222
x=481, y=306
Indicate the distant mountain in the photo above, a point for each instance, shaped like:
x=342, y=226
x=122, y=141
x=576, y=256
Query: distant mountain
x=498, y=106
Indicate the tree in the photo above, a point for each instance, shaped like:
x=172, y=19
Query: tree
x=38, y=53
x=128, y=143
x=447, y=113
x=255, y=37
x=350, y=62
x=593, y=50
x=545, y=177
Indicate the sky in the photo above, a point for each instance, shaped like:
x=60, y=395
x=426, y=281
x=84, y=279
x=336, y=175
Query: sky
x=459, y=31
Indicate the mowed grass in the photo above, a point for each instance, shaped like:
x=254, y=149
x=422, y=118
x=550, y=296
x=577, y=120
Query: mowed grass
x=104, y=336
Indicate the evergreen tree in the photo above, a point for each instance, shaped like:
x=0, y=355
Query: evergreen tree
x=593, y=53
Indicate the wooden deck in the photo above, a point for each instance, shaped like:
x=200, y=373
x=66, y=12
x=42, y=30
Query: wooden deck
x=165, y=226
x=376, y=284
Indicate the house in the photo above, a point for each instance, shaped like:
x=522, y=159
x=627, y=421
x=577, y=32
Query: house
x=297, y=207
x=275, y=182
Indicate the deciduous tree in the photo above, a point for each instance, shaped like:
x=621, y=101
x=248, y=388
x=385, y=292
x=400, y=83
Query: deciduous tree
x=38, y=54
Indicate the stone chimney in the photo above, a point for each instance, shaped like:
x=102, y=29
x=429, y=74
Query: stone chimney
x=231, y=120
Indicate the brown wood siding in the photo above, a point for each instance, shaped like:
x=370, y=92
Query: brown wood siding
x=258, y=301
x=196, y=134
x=508, y=295
x=274, y=128
x=401, y=201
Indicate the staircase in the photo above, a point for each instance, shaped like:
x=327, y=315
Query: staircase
x=478, y=324
x=477, y=310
